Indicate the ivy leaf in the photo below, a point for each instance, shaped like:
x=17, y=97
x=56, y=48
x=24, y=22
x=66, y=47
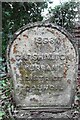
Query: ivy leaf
x=7, y=13
x=1, y=114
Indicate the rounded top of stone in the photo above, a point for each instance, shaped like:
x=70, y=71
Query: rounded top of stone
x=44, y=24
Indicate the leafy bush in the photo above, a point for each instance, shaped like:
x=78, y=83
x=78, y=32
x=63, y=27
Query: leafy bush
x=6, y=104
x=16, y=15
x=65, y=14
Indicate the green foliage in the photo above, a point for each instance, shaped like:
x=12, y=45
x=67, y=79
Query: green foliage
x=1, y=115
x=64, y=14
x=17, y=14
x=5, y=93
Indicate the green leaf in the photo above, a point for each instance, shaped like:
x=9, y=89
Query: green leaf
x=7, y=13
x=0, y=59
x=1, y=114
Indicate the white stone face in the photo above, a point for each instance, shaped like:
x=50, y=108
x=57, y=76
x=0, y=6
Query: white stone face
x=43, y=64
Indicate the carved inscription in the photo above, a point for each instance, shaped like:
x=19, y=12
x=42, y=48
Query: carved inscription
x=44, y=41
x=44, y=64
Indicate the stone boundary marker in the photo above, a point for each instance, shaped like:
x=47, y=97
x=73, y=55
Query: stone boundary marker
x=43, y=61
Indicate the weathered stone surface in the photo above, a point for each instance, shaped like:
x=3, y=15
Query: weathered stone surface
x=43, y=62
x=26, y=115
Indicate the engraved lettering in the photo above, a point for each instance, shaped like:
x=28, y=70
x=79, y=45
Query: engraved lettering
x=44, y=41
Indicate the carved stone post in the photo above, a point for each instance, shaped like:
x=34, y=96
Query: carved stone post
x=43, y=61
